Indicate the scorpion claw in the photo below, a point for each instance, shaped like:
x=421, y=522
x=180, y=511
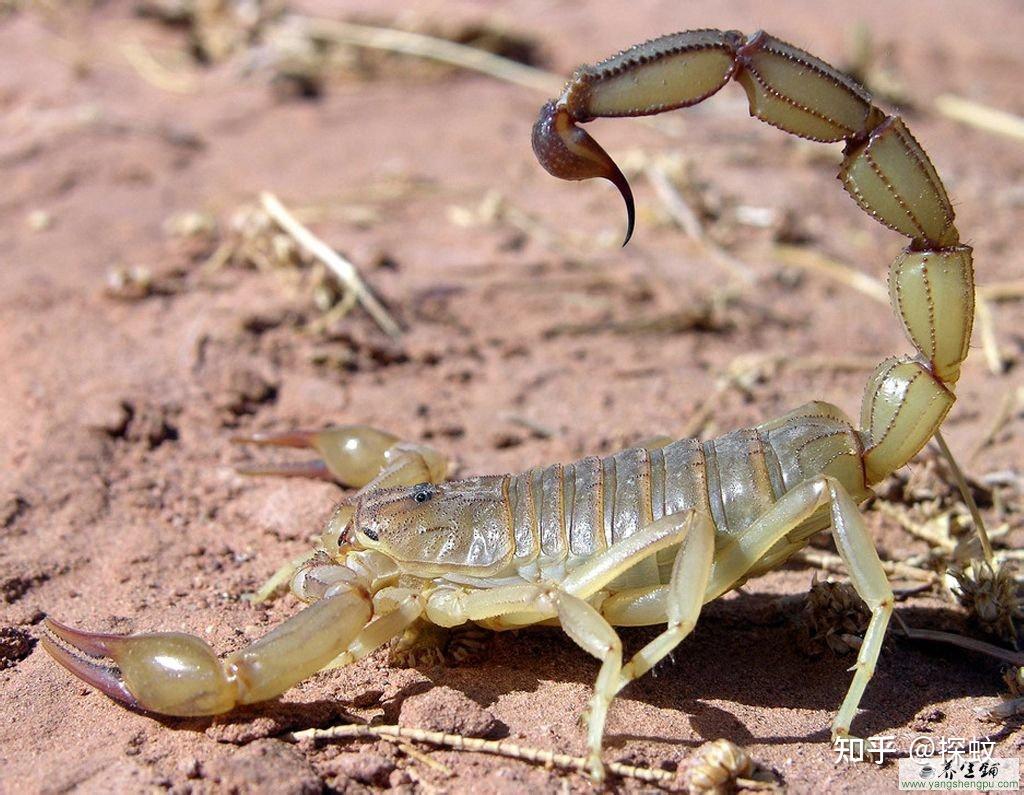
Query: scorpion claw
x=349, y=454
x=104, y=678
x=167, y=672
x=568, y=152
x=299, y=469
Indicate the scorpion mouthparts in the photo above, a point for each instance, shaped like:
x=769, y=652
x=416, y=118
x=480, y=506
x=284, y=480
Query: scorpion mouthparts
x=105, y=678
x=568, y=152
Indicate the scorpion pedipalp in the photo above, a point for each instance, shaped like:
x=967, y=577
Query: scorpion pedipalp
x=172, y=673
x=352, y=455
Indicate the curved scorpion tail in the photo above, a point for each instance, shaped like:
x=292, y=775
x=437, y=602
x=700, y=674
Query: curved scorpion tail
x=885, y=170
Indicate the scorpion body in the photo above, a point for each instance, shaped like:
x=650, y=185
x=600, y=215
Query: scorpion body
x=646, y=536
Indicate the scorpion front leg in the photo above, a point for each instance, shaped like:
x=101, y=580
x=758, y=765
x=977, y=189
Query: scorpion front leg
x=172, y=673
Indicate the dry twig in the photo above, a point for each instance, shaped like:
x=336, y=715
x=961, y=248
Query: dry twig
x=475, y=744
x=430, y=47
x=344, y=270
x=981, y=116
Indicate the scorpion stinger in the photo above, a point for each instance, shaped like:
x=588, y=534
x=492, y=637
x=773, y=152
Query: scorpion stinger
x=568, y=152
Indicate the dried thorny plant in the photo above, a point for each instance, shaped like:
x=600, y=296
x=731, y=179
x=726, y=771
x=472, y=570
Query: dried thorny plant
x=834, y=617
x=216, y=29
x=299, y=52
x=991, y=596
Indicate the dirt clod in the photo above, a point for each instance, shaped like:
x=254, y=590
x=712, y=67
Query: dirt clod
x=366, y=768
x=446, y=710
x=264, y=766
x=15, y=645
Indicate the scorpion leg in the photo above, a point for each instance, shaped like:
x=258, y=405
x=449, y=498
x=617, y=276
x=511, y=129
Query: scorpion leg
x=568, y=602
x=683, y=599
x=855, y=546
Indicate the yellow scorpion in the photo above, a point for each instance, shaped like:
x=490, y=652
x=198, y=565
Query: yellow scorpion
x=646, y=536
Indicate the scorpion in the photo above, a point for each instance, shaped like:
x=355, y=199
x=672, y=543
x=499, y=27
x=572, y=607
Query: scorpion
x=643, y=537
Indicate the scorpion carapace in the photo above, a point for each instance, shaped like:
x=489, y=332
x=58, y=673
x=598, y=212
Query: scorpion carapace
x=646, y=536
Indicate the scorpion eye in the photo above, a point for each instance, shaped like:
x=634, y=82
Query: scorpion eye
x=371, y=534
x=422, y=492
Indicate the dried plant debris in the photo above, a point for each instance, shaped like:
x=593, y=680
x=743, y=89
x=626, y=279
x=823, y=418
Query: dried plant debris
x=427, y=645
x=834, y=618
x=217, y=29
x=137, y=283
x=298, y=53
x=1014, y=679
x=925, y=501
x=1012, y=704
x=992, y=597
x=871, y=65
x=721, y=767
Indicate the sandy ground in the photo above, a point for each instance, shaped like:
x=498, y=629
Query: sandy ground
x=119, y=505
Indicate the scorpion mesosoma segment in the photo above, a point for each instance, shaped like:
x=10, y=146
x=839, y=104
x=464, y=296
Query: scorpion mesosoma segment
x=644, y=537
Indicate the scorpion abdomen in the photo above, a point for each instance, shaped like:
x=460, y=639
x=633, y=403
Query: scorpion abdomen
x=565, y=514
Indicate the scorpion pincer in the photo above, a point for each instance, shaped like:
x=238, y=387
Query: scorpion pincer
x=643, y=537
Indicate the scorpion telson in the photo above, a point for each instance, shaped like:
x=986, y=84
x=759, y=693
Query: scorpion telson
x=645, y=536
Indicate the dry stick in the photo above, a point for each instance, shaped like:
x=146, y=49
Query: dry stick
x=981, y=116
x=1002, y=291
x=459, y=743
x=461, y=55
x=155, y=73
x=687, y=220
x=436, y=49
x=980, y=646
x=344, y=270
x=833, y=269
x=1006, y=408
x=965, y=492
x=835, y=564
x=987, y=332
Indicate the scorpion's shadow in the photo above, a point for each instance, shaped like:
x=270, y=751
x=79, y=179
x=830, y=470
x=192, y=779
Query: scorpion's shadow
x=745, y=650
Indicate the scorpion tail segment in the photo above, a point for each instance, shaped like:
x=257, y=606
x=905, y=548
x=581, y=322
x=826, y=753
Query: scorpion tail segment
x=350, y=454
x=168, y=672
x=568, y=152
